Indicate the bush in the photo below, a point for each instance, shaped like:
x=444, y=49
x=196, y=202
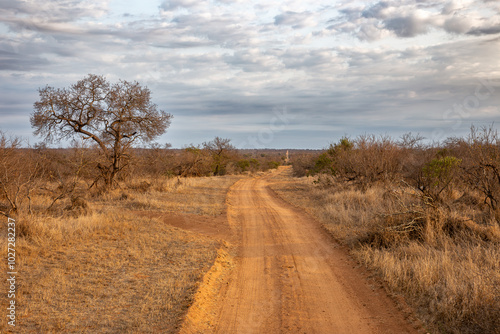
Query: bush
x=273, y=164
x=364, y=161
x=482, y=164
x=303, y=164
x=437, y=176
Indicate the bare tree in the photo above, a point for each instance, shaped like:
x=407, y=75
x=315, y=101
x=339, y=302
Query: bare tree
x=221, y=151
x=482, y=166
x=19, y=171
x=113, y=116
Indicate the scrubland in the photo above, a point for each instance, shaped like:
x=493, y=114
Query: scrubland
x=96, y=261
x=425, y=219
x=92, y=257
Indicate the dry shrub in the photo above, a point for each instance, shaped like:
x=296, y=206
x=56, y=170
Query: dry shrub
x=79, y=206
x=304, y=163
x=441, y=252
x=142, y=186
x=19, y=174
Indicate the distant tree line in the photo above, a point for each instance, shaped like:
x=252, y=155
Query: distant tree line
x=67, y=172
x=109, y=124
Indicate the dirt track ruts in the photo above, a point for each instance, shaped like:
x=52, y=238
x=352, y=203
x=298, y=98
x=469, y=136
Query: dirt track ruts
x=291, y=278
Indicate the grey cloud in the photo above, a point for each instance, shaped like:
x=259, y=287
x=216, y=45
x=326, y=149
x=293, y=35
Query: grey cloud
x=405, y=19
x=174, y=4
x=390, y=75
x=311, y=60
x=186, y=31
x=362, y=58
x=484, y=31
x=409, y=26
x=224, y=30
x=179, y=43
x=18, y=55
x=20, y=24
x=171, y=37
x=457, y=24
x=227, y=2
x=376, y=11
x=294, y=19
x=53, y=11
x=350, y=13
x=254, y=61
x=16, y=62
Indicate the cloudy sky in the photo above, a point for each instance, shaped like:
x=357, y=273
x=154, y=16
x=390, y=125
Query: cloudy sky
x=297, y=74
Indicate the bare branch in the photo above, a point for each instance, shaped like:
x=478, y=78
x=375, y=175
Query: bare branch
x=114, y=116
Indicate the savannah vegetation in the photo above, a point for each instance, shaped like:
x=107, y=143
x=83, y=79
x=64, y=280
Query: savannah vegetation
x=96, y=250
x=99, y=257
x=425, y=218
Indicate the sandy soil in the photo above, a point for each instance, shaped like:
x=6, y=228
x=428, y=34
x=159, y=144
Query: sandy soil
x=290, y=277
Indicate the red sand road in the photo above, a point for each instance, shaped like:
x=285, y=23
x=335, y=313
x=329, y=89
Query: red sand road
x=291, y=278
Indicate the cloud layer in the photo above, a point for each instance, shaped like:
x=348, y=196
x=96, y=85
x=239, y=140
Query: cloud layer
x=224, y=67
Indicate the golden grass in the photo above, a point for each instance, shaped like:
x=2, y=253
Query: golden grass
x=114, y=270
x=456, y=289
x=203, y=195
x=452, y=278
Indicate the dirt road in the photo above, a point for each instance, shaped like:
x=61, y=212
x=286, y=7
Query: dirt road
x=291, y=278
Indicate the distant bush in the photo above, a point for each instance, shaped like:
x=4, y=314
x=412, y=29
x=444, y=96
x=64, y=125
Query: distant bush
x=437, y=176
x=363, y=161
x=273, y=164
x=304, y=164
x=248, y=165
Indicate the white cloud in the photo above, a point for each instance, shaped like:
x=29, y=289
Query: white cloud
x=453, y=6
x=295, y=20
x=411, y=18
x=371, y=32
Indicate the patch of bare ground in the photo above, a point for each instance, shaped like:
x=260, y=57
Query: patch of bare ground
x=130, y=263
x=450, y=274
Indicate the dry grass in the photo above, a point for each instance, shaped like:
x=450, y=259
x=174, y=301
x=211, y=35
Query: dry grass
x=448, y=268
x=110, y=269
x=456, y=288
x=203, y=195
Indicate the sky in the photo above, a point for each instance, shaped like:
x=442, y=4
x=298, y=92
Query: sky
x=266, y=74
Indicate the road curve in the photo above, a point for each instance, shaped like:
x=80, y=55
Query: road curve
x=291, y=278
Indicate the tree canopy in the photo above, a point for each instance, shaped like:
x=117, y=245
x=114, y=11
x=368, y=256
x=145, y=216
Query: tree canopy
x=114, y=116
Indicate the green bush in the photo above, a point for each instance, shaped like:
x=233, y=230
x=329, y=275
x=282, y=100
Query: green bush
x=438, y=174
x=273, y=164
